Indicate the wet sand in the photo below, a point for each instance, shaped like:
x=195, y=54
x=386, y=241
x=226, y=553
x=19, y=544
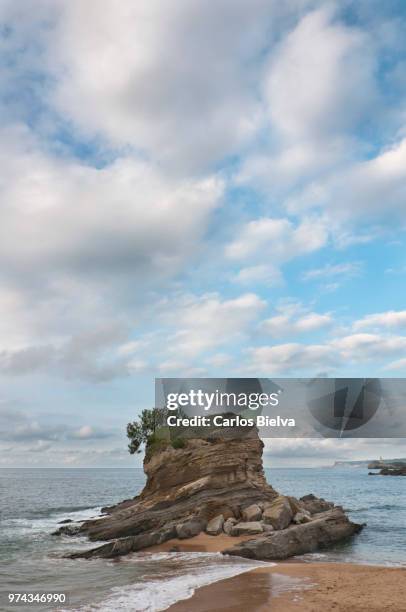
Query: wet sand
x=200, y=543
x=304, y=587
x=292, y=586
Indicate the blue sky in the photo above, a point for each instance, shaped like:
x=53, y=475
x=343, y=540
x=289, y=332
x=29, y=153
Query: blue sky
x=190, y=188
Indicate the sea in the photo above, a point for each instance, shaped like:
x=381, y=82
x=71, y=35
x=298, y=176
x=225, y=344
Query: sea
x=34, y=501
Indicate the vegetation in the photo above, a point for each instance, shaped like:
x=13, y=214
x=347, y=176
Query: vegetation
x=151, y=429
x=178, y=443
x=145, y=429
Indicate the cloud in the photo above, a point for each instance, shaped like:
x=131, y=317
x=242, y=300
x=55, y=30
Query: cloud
x=264, y=274
x=171, y=81
x=67, y=217
x=308, y=448
x=24, y=428
x=281, y=325
x=369, y=346
x=88, y=356
x=391, y=319
x=399, y=364
x=207, y=322
x=321, y=78
x=336, y=354
x=346, y=269
x=277, y=239
x=291, y=357
x=360, y=190
x=74, y=238
x=87, y=432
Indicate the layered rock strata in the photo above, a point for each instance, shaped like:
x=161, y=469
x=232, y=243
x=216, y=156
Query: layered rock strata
x=215, y=484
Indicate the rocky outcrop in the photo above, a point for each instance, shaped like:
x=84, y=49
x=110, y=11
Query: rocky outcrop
x=208, y=477
x=214, y=484
x=326, y=529
x=390, y=471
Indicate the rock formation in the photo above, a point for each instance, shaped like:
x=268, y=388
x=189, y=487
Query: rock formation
x=215, y=484
x=390, y=470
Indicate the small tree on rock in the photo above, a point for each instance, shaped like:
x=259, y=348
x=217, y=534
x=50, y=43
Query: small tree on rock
x=142, y=431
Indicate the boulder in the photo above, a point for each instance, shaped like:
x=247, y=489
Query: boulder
x=228, y=525
x=314, y=504
x=267, y=528
x=252, y=513
x=302, y=517
x=215, y=526
x=251, y=528
x=189, y=529
x=278, y=513
x=332, y=526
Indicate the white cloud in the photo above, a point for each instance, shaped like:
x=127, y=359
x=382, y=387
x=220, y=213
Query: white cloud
x=168, y=78
x=399, y=364
x=346, y=269
x=286, y=324
x=321, y=79
x=84, y=432
x=277, y=239
x=127, y=214
x=208, y=321
x=78, y=235
x=339, y=353
x=291, y=357
x=266, y=274
x=369, y=346
x=366, y=189
x=390, y=320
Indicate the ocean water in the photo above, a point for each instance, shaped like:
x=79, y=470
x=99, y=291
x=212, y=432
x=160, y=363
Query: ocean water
x=34, y=501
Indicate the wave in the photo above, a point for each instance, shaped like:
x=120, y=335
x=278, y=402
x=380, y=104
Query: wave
x=48, y=512
x=46, y=524
x=153, y=594
x=375, y=507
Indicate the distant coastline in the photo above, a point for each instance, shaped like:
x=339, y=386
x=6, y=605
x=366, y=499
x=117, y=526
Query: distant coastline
x=369, y=463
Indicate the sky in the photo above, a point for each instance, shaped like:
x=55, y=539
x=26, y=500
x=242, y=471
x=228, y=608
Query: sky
x=192, y=188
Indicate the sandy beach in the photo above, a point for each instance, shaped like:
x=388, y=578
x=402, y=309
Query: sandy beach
x=292, y=586
x=304, y=587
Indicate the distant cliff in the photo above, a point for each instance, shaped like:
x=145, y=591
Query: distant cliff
x=387, y=464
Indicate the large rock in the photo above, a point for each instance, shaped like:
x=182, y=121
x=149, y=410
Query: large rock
x=219, y=474
x=279, y=513
x=330, y=527
x=215, y=526
x=124, y=546
x=314, y=504
x=189, y=529
x=252, y=513
x=247, y=528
